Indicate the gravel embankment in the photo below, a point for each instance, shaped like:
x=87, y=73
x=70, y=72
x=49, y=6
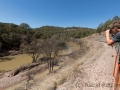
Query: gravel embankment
x=9, y=81
x=96, y=73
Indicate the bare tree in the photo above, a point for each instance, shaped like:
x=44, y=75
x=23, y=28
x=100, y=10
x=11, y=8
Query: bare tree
x=29, y=77
x=51, y=48
x=58, y=45
x=35, y=50
x=47, y=49
x=32, y=48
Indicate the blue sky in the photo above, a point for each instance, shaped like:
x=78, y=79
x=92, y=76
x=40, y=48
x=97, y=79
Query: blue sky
x=63, y=13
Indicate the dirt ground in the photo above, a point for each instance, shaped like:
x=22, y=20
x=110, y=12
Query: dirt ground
x=96, y=72
x=90, y=69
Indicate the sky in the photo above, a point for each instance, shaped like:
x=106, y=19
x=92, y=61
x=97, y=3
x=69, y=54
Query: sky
x=62, y=13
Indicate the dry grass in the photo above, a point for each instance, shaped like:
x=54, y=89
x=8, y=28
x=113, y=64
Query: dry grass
x=52, y=81
x=21, y=85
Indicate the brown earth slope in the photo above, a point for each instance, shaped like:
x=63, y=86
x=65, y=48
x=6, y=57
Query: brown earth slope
x=89, y=68
x=96, y=72
x=91, y=71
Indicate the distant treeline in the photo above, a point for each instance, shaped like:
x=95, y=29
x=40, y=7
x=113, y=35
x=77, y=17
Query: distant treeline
x=105, y=25
x=11, y=34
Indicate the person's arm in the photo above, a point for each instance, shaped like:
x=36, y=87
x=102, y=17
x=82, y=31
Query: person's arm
x=108, y=40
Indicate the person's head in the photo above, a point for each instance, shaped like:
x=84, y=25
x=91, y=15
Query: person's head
x=115, y=27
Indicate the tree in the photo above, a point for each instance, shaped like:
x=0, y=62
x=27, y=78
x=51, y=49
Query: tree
x=24, y=26
x=106, y=24
x=32, y=48
x=51, y=48
x=116, y=18
x=14, y=40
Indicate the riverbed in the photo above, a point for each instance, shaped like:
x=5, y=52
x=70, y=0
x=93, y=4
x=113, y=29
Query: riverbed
x=12, y=62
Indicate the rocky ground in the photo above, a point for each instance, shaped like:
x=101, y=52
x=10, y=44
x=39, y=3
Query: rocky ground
x=90, y=69
x=96, y=73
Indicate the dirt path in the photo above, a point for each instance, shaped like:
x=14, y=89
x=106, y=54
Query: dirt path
x=96, y=73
